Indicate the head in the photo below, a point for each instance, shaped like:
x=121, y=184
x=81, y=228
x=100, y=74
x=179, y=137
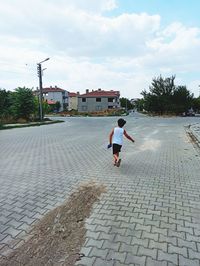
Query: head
x=121, y=122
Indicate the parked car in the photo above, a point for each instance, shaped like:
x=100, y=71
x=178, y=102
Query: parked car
x=188, y=114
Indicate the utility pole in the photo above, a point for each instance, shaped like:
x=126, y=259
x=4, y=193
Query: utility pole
x=39, y=71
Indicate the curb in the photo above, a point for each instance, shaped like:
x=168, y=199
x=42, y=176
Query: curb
x=194, y=130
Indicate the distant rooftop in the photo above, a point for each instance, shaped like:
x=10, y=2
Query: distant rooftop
x=100, y=93
x=73, y=94
x=52, y=89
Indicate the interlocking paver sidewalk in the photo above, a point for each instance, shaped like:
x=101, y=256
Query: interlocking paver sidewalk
x=150, y=214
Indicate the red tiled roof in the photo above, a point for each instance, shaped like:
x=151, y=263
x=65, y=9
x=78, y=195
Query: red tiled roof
x=101, y=93
x=50, y=102
x=52, y=90
x=72, y=94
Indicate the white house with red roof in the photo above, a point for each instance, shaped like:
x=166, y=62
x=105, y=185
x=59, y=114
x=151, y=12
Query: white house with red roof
x=98, y=100
x=55, y=94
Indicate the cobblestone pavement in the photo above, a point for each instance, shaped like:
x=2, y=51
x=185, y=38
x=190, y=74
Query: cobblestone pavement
x=150, y=214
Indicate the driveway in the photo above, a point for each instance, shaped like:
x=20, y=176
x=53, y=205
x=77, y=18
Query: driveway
x=150, y=214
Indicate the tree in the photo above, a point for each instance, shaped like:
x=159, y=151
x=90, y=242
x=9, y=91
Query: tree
x=165, y=97
x=161, y=91
x=57, y=106
x=24, y=103
x=125, y=103
x=5, y=102
x=5, y=105
x=196, y=104
x=139, y=104
x=182, y=100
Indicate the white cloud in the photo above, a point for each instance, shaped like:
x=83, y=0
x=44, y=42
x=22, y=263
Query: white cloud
x=88, y=49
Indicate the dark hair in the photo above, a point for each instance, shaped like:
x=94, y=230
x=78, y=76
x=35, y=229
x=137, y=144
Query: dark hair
x=121, y=122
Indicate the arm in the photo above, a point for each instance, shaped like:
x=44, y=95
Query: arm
x=128, y=137
x=110, y=136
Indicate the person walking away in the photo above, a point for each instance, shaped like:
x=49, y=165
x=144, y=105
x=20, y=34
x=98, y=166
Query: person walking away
x=116, y=140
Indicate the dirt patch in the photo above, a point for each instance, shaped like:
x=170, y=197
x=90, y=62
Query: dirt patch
x=193, y=140
x=59, y=236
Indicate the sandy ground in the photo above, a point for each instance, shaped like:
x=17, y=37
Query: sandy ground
x=58, y=237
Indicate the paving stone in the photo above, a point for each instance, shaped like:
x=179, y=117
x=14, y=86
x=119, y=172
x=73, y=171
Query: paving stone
x=147, y=235
x=111, y=245
x=132, y=259
x=168, y=226
x=194, y=238
x=100, y=253
x=187, y=262
x=130, y=226
x=12, y=232
x=176, y=234
x=100, y=262
x=86, y=261
x=93, y=235
x=105, y=236
x=152, y=262
x=177, y=250
x=86, y=250
x=193, y=254
x=3, y=228
x=147, y=252
x=145, y=228
x=187, y=244
x=159, y=230
x=117, y=230
x=158, y=245
x=167, y=257
x=185, y=229
x=133, y=233
x=151, y=222
x=94, y=243
x=119, y=256
x=122, y=264
x=124, y=239
x=105, y=229
x=133, y=249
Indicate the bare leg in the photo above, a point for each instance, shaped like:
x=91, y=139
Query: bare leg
x=116, y=158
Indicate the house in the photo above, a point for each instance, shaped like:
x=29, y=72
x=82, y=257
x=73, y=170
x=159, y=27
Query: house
x=73, y=101
x=98, y=100
x=56, y=94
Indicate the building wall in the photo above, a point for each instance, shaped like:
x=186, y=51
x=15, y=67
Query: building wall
x=91, y=105
x=73, y=103
x=57, y=96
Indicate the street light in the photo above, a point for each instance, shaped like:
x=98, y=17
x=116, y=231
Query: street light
x=39, y=71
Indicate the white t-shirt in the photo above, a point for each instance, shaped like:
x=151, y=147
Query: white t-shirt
x=118, y=136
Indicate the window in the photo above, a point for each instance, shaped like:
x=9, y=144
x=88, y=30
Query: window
x=110, y=107
x=83, y=100
x=110, y=100
x=98, y=99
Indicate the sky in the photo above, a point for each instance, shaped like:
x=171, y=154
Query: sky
x=108, y=44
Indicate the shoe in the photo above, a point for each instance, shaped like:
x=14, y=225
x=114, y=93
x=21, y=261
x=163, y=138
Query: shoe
x=118, y=163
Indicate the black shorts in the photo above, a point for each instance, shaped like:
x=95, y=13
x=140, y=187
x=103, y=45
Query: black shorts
x=116, y=148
